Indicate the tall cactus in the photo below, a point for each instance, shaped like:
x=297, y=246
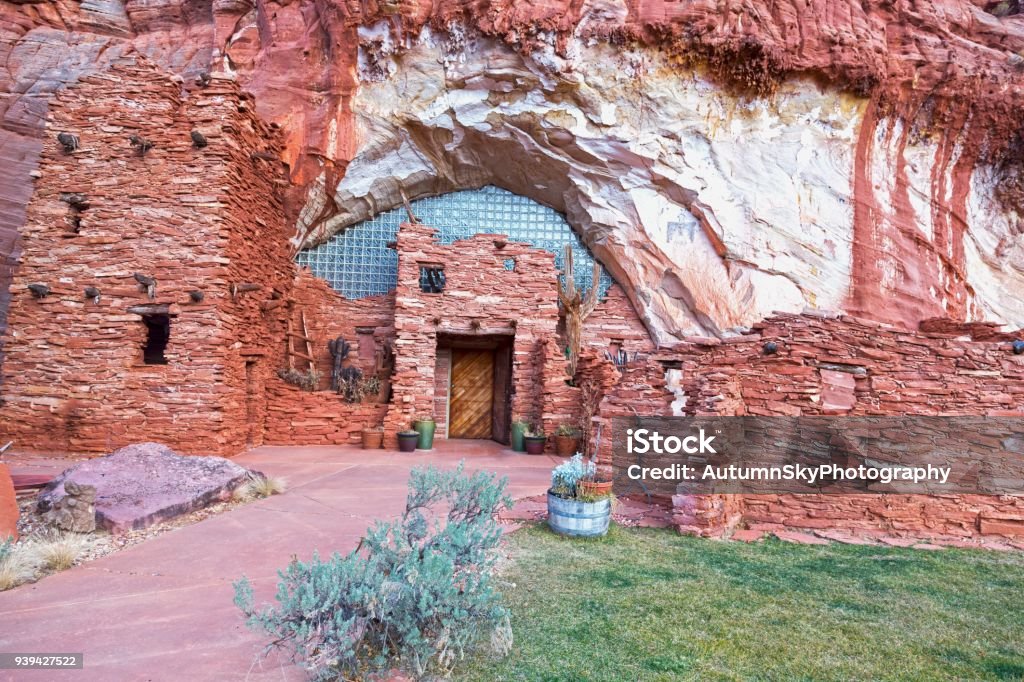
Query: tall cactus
x=576, y=307
x=339, y=348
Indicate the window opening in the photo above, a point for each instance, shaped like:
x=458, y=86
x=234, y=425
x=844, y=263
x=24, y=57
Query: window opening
x=158, y=333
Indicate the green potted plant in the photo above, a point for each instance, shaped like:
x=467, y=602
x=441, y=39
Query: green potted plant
x=572, y=510
x=407, y=440
x=519, y=428
x=534, y=441
x=425, y=426
x=567, y=440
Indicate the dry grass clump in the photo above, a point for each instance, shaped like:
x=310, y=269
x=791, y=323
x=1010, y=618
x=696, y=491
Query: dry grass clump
x=15, y=566
x=35, y=556
x=57, y=551
x=259, y=486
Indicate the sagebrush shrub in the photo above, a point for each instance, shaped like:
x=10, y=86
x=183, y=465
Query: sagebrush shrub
x=415, y=595
x=568, y=474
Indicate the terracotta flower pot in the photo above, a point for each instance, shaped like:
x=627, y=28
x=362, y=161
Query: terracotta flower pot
x=595, y=488
x=535, y=444
x=373, y=439
x=565, y=446
x=407, y=441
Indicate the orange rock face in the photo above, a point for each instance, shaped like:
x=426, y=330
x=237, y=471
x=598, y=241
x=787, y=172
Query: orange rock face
x=949, y=68
x=8, y=506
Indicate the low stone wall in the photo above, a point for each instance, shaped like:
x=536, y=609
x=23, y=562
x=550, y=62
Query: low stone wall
x=298, y=417
x=838, y=365
x=932, y=516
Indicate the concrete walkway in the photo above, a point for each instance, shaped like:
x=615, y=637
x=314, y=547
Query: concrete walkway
x=162, y=610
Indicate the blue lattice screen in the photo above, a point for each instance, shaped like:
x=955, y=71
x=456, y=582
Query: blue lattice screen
x=358, y=263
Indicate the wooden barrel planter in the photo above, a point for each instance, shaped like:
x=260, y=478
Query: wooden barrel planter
x=579, y=519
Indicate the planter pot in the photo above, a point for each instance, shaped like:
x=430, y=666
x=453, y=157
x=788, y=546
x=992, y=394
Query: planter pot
x=535, y=444
x=579, y=519
x=425, y=428
x=372, y=439
x=595, y=488
x=565, y=446
x=407, y=441
x=518, y=431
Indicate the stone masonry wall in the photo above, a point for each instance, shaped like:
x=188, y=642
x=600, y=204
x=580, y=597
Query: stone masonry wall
x=480, y=298
x=299, y=417
x=844, y=365
x=195, y=219
x=615, y=320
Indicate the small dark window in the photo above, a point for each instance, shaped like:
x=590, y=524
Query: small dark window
x=510, y=264
x=158, y=332
x=431, y=279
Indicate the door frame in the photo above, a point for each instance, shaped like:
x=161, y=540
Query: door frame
x=495, y=343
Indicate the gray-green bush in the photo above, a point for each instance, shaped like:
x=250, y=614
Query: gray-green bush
x=415, y=595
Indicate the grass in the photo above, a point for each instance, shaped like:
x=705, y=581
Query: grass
x=59, y=551
x=39, y=555
x=652, y=605
x=15, y=568
x=259, y=486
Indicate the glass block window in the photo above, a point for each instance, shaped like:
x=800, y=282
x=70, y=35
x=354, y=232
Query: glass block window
x=357, y=262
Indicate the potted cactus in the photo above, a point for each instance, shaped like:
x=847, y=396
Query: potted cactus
x=567, y=440
x=534, y=441
x=572, y=509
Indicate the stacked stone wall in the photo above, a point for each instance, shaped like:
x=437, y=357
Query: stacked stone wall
x=192, y=218
x=841, y=365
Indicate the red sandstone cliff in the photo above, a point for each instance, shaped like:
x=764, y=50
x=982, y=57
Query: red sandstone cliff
x=948, y=68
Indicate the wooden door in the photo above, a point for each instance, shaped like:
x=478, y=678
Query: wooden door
x=472, y=393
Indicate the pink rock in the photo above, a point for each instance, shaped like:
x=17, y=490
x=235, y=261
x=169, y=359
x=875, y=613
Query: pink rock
x=799, y=538
x=147, y=483
x=748, y=535
x=845, y=538
x=898, y=542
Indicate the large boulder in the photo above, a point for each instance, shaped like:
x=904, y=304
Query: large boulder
x=140, y=485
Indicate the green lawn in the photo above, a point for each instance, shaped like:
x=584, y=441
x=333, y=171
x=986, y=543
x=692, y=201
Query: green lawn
x=651, y=605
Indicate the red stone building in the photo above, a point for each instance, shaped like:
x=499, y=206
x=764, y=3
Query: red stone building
x=157, y=298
